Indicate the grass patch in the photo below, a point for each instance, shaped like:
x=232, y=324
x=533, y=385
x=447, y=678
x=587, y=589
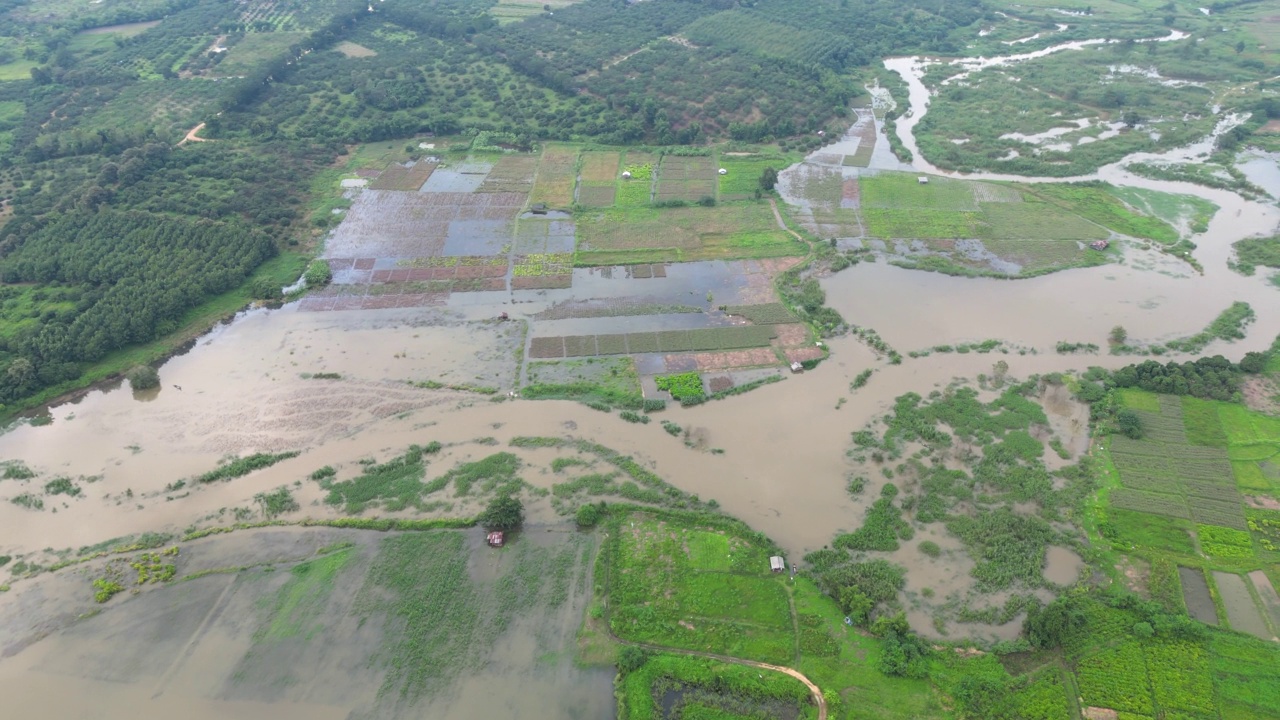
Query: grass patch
x=670, y=585
x=245, y=465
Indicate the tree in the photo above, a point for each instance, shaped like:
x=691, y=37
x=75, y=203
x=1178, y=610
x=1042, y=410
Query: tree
x=1128, y=422
x=1119, y=335
x=768, y=178
x=631, y=659
x=143, y=377
x=1051, y=626
x=504, y=513
x=1253, y=362
x=1239, y=47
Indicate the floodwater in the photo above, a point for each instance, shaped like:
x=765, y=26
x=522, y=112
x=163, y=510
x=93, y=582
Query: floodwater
x=1195, y=593
x=197, y=649
x=1242, y=613
x=1062, y=566
x=246, y=387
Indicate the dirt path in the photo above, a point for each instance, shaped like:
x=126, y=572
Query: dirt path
x=818, y=700
x=778, y=216
x=191, y=137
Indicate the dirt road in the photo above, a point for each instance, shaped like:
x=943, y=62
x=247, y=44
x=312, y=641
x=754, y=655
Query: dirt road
x=191, y=137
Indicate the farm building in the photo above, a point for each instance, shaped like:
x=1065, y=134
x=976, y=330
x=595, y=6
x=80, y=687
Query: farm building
x=495, y=539
x=724, y=171
x=626, y=174
x=922, y=180
x=777, y=564
x=1100, y=244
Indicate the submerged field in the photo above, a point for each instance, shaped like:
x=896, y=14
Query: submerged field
x=973, y=228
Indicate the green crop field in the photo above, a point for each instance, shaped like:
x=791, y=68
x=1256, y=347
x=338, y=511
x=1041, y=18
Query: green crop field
x=555, y=179
x=729, y=604
x=903, y=191
x=742, y=178
x=644, y=234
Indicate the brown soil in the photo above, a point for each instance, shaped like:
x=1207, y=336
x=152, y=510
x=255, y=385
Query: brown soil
x=1261, y=393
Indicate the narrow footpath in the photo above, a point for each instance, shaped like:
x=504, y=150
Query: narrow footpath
x=818, y=700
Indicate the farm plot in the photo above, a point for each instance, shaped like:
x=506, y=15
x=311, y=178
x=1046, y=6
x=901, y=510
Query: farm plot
x=1116, y=678
x=1244, y=674
x=667, y=341
x=1242, y=612
x=407, y=178
x=254, y=49
x=597, y=180
x=1196, y=595
x=554, y=183
x=511, y=174
x=730, y=231
x=903, y=191
x=864, y=132
x=699, y=588
x=686, y=178
x=1037, y=221
x=742, y=176
x=1179, y=671
x=535, y=235
x=1165, y=475
x=542, y=271
x=388, y=224
x=635, y=182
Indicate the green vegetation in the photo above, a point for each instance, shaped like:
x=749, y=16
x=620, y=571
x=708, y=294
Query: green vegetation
x=665, y=568
x=709, y=690
x=143, y=377
x=245, y=465
x=276, y=503
x=612, y=382
x=624, y=236
x=682, y=386
x=398, y=483
x=503, y=513
x=1252, y=252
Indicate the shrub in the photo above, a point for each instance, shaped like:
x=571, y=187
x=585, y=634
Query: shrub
x=1128, y=423
x=318, y=274
x=930, y=548
x=589, y=515
x=143, y=377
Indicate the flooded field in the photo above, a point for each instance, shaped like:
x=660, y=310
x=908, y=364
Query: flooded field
x=310, y=628
x=1195, y=592
x=1242, y=612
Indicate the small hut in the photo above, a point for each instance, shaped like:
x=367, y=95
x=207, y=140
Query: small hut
x=724, y=171
x=797, y=367
x=1100, y=244
x=495, y=538
x=777, y=564
x=922, y=180
x=626, y=174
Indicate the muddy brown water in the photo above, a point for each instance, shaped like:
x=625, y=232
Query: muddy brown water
x=242, y=389
x=194, y=649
